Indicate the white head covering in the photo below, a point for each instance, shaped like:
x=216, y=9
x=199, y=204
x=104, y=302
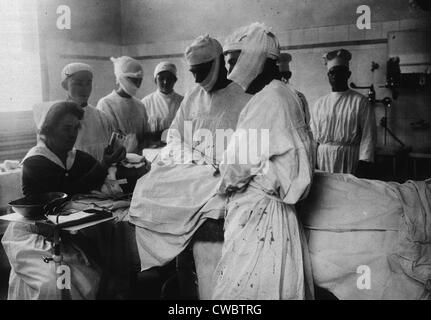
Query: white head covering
x=257, y=43
x=205, y=49
x=125, y=67
x=339, y=57
x=284, y=62
x=165, y=66
x=71, y=69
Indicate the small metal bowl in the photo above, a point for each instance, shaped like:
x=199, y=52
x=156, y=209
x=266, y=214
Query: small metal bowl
x=34, y=206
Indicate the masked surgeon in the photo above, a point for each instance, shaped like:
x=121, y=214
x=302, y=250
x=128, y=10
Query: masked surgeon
x=125, y=111
x=264, y=254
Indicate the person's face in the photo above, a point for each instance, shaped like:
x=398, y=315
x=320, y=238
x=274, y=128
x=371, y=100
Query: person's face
x=338, y=76
x=231, y=59
x=64, y=134
x=165, y=81
x=201, y=71
x=79, y=86
x=136, y=81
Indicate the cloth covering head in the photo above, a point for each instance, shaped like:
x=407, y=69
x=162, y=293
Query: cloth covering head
x=257, y=43
x=71, y=69
x=205, y=49
x=124, y=68
x=339, y=57
x=284, y=62
x=165, y=66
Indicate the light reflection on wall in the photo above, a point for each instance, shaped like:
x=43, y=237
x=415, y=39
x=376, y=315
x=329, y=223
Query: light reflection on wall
x=20, y=75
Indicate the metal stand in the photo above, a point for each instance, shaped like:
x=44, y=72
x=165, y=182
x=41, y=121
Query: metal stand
x=57, y=258
x=387, y=102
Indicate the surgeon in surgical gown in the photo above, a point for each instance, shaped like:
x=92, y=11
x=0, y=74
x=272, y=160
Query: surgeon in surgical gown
x=126, y=111
x=162, y=105
x=343, y=122
x=175, y=198
x=265, y=254
x=96, y=128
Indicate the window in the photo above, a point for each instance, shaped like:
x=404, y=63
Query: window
x=20, y=72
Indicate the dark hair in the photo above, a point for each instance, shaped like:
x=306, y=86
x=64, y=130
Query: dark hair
x=57, y=112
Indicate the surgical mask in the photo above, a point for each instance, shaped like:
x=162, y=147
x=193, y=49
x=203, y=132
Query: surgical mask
x=127, y=86
x=209, y=82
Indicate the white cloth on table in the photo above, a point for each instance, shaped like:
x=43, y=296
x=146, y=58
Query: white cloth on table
x=10, y=187
x=265, y=253
x=172, y=201
x=127, y=116
x=344, y=126
x=33, y=279
x=161, y=109
x=95, y=132
x=357, y=227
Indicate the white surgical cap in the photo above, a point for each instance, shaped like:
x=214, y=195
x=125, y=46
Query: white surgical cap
x=203, y=49
x=124, y=68
x=71, y=69
x=165, y=66
x=257, y=43
x=127, y=67
x=284, y=62
x=233, y=41
x=339, y=57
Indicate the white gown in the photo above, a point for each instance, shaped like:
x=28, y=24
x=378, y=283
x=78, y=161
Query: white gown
x=161, y=109
x=171, y=202
x=127, y=116
x=344, y=127
x=265, y=254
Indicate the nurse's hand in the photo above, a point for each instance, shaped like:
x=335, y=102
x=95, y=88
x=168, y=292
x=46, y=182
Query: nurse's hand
x=110, y=158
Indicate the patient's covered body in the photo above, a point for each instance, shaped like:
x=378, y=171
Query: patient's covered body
x=369, y=239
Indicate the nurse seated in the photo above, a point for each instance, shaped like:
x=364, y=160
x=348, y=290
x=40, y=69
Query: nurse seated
x=53, y=165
